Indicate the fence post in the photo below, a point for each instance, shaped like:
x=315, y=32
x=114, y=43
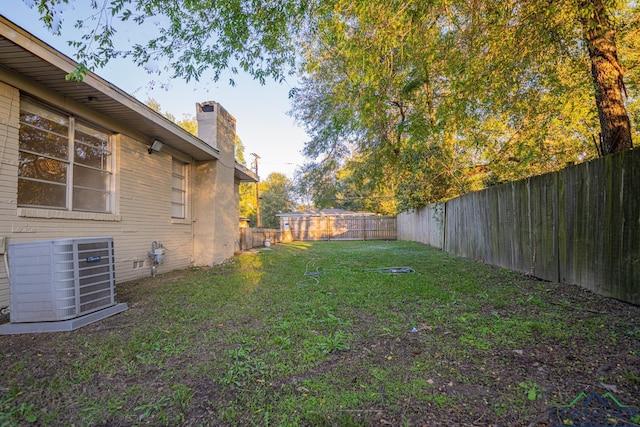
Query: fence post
x=444, y=226
x=364, y=227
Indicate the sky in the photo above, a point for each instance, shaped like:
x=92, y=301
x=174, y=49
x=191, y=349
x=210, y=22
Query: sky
x=262, y=122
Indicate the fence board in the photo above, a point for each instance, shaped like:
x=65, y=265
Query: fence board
x=579, y=226
x=255, y=237
x=343, y=228
x=425, y=225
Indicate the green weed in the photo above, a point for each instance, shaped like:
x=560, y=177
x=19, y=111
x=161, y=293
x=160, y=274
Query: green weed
x=181, y=396
x=150, y=411
x=532, y=390
x=14, y=412
x=242, y=367
x=337, y=341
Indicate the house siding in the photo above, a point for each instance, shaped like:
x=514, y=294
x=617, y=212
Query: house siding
x=145, y=212
x=9, y=116
x=142, y=205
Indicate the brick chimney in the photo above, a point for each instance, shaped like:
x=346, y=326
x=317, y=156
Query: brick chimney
x=216, y=202
x=207, y=116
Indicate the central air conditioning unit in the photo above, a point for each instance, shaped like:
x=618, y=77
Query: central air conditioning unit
x=58, y=280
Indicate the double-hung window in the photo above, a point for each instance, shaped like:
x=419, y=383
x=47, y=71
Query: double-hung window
x=63, y=163
x=178, y=189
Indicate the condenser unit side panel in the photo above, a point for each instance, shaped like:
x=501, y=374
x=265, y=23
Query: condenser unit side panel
x=55, y=280
x=32, y=296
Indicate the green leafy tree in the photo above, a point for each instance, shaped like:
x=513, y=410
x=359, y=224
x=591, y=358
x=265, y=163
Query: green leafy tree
x=155, y=106
x=261, y=37
x=239, y=151
x=520, y=49
x=451, y=96
x=188, y=37
x=275, y=197
x=373, y=98
x=426, y=99
x=248, y=201
x=188, y=123
x=599, y=28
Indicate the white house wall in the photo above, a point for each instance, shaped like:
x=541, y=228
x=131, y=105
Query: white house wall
x=145, y=212
x=142, y=205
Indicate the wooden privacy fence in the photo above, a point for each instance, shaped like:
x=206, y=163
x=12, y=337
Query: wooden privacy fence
x=343, y=228
x=255, y=237
x=579, y=226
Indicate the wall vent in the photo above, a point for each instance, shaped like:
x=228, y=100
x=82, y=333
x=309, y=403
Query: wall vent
x=54, y=280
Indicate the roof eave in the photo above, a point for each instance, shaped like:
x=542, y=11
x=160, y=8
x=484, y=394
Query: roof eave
x=133, y=113
x=244, y=174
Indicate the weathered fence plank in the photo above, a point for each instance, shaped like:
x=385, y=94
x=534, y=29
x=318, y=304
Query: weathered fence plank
x=579, y=226
x=543, y=211
x=424, y=225
x=601, y=230
x=255, y=237
x=343, y=228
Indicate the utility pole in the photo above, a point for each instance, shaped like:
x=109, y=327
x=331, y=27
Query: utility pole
x=255, y=169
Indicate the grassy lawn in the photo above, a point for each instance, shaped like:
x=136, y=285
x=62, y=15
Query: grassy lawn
x=317, y=334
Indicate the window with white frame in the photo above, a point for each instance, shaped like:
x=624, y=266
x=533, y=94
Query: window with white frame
x=178, y=189
x=63, y=163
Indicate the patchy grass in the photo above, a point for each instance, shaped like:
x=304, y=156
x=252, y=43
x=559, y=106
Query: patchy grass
x=314, y=334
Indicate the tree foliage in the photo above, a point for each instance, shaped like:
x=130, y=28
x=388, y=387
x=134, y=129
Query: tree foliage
x=187, y=38
x=275, y=197
x=247, y=193
x=188, y=122
x=444, y=97
x=406, y=101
